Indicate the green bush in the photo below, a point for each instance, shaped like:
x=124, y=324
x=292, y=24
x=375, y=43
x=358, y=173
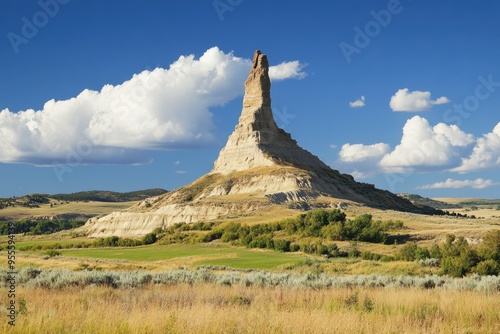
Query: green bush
x=490, y=247
x=435, y=252
x=370, y=256
x=487, y=267
x=213, y=235
x=459, y=266
x=282, y=245
x=407, y=252
x=149, y=238
x=354, y=252
x=262, y=241
x=52, y=253
x=294, y=247
x=231, y=232
x=422, y=253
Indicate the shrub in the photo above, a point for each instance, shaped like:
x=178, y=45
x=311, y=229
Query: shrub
x=422, y=253
x=354, y=252
x=487, y=267
x=370, y=256
x=407, y=252
x=308, y=248
x=435, y=252
x=149, y=238
x=333, y=231
x=294, y=247
x=432, y=262
x=282, y=245
x=458, y=266
x=262, y=241
x=490, y=247
x=231, y=232
x=52, y=253
x=213, y=235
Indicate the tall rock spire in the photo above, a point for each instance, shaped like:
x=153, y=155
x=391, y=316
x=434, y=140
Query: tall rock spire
x=256, y=124
x=257, y=100
x=257, y=140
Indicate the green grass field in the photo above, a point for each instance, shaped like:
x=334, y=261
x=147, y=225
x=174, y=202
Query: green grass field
x=195, y=254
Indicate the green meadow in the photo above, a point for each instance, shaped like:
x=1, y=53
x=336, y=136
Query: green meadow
x=194, y=254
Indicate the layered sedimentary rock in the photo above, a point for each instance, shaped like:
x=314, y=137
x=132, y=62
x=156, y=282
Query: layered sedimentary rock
x=260, y=166
x=257, y=140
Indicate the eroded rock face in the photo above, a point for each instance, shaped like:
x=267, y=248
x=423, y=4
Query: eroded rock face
x=124, y=223
x=260, y=166
x=257, y=140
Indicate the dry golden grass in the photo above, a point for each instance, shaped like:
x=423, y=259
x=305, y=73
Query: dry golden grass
x=427, y=230
x=211, y=308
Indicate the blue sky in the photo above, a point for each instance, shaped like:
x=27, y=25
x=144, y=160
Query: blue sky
x=128, y=95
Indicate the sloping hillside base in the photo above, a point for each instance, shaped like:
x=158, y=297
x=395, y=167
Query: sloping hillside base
x=245, y=193
x=211, y=197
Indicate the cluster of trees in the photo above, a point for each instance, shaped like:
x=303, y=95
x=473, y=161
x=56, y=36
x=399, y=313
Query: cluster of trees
x=459, y=215
x=115, y=241
x=5, y=203
x=40, y=226
x=29, y=201
x=457, y=258
x=331, y=225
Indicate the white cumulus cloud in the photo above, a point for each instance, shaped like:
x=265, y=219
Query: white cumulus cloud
x=424, y=147
x=287, y=70
x=485, y=155
x=158, y=109
x=360, y=152
x=358, y=103
x=404, y=100
x=361, y=160
x=455, y=184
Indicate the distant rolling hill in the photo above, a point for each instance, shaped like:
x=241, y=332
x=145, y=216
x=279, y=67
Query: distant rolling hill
x=109, y=196
x=80, y=205
x=419, y=200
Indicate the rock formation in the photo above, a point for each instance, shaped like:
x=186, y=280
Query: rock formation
x=260, y=166
x=257, y=140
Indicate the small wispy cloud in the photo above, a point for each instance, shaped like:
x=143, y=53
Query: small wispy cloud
x=180, y=172
x=455, y=184
x=287, y=70
x=358, y=103
x=404, y=100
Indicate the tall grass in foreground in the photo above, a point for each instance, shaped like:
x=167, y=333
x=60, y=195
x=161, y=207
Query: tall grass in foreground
x=219, y=308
